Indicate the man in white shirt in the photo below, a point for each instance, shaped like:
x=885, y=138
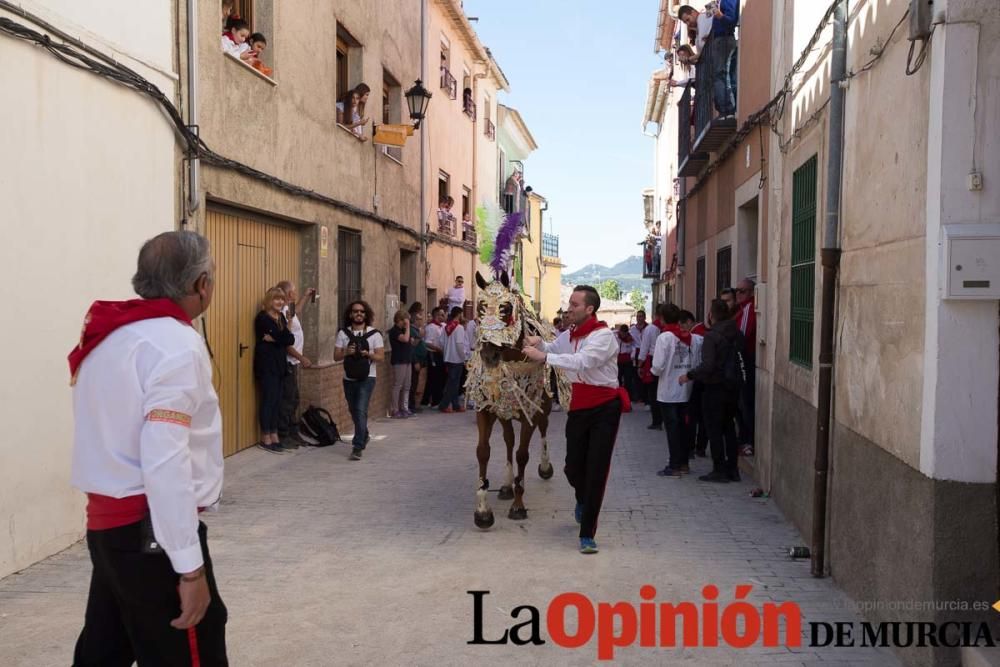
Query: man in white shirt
x=147, y=451
x=676, y=352
x=648, y=341
x=434, y=339
x=456, y=294
x=589, y=355
x=456, y=343
x=288, y=425
x=701, y=22
x=364, y=344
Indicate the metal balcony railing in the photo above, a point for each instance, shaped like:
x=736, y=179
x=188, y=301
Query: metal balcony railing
x=449, y=83
x=710, y=132
x=446, y=225
x=490, y=130
x=468, y=233
x=550, y=245
x=688, y=164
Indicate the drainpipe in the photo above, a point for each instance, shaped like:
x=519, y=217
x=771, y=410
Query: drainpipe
x=830, y=255
x=194, y=189
x=423, y=145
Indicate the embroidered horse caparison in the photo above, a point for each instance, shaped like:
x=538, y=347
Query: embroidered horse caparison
x=506, y=387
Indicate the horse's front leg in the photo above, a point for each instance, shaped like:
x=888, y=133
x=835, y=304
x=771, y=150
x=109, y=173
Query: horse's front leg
x=507, y=488
x=545, y=470
x=483, y=516
x=517, y=510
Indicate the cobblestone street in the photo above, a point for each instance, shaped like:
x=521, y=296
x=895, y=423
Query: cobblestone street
x=324, y=561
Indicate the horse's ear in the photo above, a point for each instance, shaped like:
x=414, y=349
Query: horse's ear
x=480, y=280
x=505, y=279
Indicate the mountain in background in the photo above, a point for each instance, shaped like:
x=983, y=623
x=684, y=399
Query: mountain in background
x=627, y=272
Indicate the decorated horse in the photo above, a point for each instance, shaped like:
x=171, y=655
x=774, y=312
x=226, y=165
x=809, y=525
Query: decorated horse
x=504, y=385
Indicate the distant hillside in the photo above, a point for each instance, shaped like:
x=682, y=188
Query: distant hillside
x=628, y=273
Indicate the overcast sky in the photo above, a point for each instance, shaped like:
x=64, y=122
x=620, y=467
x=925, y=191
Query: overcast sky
x=578, y=71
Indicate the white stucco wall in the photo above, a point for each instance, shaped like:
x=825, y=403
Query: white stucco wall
x=88, y=174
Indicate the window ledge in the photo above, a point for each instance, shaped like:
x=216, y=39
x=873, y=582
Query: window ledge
x=350, y=132
x=250, y=69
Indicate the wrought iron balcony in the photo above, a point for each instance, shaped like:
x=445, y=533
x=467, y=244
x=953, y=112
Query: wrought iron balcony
x=550, y=245
x=710, y=131
x=446, y=225
x=490, y=130
x=468, y=233
x=449, y=83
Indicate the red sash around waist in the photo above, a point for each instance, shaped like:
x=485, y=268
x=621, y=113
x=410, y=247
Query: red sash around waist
x=591, y=396
x=105, y=512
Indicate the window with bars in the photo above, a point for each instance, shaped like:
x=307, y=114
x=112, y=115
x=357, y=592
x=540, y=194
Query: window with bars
x=723, y=268
x=699, y=290
x=803, y=263
x=348, y=266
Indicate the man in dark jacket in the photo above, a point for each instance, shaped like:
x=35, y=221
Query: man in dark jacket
x=719, y=401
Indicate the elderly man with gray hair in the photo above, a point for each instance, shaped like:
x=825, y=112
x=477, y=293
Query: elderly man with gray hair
x=147, y=451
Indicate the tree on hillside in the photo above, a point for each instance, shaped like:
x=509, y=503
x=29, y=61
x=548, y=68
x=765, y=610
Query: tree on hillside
x=636, y=299
x=610, y=289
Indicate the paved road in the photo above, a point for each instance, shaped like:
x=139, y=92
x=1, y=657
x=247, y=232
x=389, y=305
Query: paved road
x=323, y=561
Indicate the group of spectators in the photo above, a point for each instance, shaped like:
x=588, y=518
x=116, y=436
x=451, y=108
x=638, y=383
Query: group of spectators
x=712, y=31
x=351, y=109
x=239, y=42
x=697, y=379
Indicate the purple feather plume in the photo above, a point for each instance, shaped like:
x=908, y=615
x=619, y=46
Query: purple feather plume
x=504, y=246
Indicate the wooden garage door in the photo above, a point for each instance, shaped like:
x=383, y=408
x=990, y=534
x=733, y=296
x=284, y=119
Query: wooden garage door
x=250, y=256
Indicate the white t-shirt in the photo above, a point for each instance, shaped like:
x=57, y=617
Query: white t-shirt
x=355, y=118
x=146, y=420
x=471, y=332
x=232, y=48
x=649, y=335
x=374, y=343
x=456, y=298
x=296, y=328
x=671, y=360
x=456, y=345
x=705, y=21
x=432, y=335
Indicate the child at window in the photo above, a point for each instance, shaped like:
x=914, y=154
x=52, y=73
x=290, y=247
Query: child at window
x=258, y=43
x=350, y=110
x=234, y=40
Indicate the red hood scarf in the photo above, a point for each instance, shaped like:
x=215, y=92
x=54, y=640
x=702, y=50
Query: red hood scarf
x=451, y=326
x=675, y=329
x=586, y=396
x=104, y=317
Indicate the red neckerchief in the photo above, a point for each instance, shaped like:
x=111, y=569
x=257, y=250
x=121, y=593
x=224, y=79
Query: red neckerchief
x=675, y=329
x=104, y=317
x=229, y=34
x=699, y=329
x=591, y=324
x=451, y=326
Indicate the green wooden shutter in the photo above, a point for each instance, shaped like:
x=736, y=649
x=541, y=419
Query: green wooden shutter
x=803, y=263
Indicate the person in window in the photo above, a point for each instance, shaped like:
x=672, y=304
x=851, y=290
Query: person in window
x=350, y=111
x=258, y=43
x=467, y=100
x=234, y=39
x=273, y=338
x=363, y=91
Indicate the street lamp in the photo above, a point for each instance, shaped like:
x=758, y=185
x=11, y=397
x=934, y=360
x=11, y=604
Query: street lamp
x=417, y=99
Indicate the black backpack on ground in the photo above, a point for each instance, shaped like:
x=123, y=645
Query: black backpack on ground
x=317, y=427
x=734, y=370
x=357, y=367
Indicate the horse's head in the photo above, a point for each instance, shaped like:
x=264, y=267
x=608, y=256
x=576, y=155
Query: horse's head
x=500, y=323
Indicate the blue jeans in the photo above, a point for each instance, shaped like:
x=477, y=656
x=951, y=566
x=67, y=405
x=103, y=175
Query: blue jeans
x=453, y=388
x=359, y=395
x=723, y=74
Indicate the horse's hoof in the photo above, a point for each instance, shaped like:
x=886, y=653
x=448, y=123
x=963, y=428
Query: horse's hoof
x=506, y=493
x=517, y=513
x=483, y=520
x=486, y=484
x=545, y=473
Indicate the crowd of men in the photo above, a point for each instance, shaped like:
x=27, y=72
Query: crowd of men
x=697, y=379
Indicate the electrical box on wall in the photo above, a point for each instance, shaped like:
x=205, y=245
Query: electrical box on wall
x=971, y=261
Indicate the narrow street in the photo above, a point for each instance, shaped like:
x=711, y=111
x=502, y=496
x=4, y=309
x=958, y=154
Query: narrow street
x=324, y=561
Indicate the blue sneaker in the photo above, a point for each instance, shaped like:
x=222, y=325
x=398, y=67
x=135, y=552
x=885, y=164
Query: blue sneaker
x=588, y=545
x=578, y=513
